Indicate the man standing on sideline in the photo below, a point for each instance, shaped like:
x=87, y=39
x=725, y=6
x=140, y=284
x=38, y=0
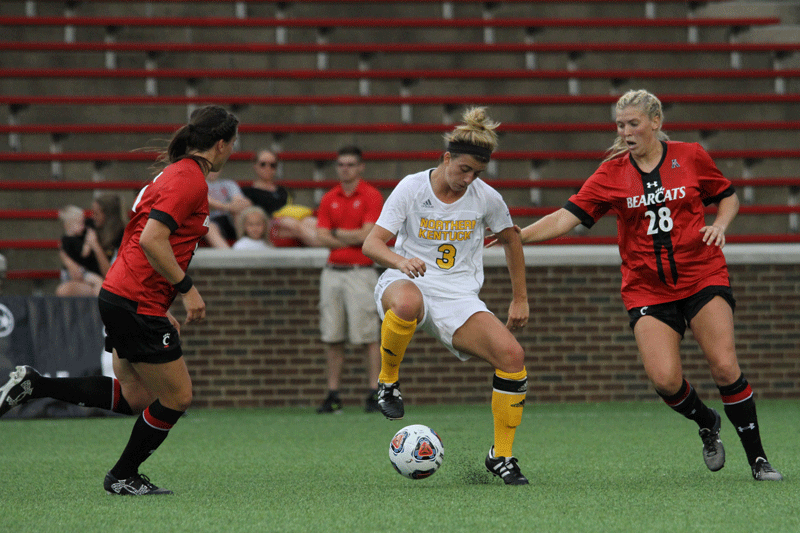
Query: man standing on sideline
x=347, y=308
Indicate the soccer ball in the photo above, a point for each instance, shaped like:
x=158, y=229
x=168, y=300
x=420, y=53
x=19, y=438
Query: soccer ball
x=416, y=451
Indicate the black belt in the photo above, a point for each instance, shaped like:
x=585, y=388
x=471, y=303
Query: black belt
x=346, y=267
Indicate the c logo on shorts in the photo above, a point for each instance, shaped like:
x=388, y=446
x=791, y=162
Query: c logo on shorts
x=165, y=340
x=643, y=311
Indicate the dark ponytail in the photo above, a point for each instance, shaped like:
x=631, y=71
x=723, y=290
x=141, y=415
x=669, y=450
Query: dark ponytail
x=206, y=126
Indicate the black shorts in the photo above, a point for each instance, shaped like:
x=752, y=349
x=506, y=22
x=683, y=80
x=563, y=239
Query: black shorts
x=679, y=313
x=138, y=338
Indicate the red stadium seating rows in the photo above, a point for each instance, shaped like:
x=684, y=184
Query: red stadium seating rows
x=514, y=127
x=398, y=48
x=350, y=100
x=398, y=74
x=419, y=155
x=376, y=22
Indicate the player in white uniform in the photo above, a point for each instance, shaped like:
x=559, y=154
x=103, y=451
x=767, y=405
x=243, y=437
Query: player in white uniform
x=435, y=273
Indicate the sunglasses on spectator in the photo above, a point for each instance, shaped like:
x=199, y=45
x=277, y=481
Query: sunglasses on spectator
x=273, y=164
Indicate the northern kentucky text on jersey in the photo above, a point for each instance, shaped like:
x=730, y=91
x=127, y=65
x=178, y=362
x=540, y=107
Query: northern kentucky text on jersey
x=446, y=230
x=658, y=197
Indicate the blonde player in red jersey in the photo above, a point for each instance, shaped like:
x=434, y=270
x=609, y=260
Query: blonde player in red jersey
x=435, y=273
x=673, y=271
x=169, y=216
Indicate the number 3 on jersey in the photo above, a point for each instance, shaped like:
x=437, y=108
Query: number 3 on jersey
x=447, y=259
x=661, y=221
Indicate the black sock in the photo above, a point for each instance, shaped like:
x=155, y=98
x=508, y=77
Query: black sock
x=95, y=391
x=149, y=431
x=741, y=411
x=688, y=403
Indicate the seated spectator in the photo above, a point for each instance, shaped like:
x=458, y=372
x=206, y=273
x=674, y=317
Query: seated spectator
x=225, y=202
x=108, y=223
x=251, y=225
x=84, y=263
x=291, y=224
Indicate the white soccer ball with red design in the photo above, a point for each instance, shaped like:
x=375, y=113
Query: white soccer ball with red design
x=416, y=451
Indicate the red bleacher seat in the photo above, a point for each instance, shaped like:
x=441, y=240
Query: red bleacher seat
x=392, y=100
x=398, y=74
x=377, y=22
x=393, y=48
x=506, y=127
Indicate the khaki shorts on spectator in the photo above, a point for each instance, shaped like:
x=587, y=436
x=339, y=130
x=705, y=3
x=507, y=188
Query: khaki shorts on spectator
x=347, y=309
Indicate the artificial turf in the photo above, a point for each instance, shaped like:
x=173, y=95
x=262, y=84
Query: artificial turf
x=612, y=467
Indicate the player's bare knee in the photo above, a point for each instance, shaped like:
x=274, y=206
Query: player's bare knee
x=138, y=397
x=725, y=372
x=406, y=310
x=182, y=401
x=667, y=385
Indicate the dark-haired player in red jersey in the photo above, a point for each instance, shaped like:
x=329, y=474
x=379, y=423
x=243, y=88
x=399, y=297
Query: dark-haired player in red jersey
x=169, y=217
x=673, y=271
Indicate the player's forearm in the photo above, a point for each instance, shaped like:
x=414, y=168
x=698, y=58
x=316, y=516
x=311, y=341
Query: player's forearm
x=379, y=251
x=515, y=258
x=553, y=225
x=726, y=212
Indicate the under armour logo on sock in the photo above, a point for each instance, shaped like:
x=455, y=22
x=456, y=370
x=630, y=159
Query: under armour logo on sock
x=750, y=426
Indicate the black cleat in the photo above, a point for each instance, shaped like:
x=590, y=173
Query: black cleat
x=18, y=389
x=713, y=450
x=332, y=404
x=371, y=403
x=389, y=400
x=763, y=471
x=506, y=468
x=136, y=485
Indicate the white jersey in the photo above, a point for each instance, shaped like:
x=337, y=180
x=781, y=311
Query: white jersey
x=447, y=237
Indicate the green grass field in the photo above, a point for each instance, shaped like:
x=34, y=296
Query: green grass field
x=628, y=467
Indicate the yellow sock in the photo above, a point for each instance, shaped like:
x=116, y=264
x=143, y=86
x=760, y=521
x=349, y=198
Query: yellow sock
x=508, y=399
x=396, y=334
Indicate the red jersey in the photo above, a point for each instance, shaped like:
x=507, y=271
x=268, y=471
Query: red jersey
x=659, y=216
x=178, y=197
x=339, y=211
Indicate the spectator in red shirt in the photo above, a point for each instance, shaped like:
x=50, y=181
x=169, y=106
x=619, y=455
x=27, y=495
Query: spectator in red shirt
x=673, y=271
x=347, y=308
x=169, y=217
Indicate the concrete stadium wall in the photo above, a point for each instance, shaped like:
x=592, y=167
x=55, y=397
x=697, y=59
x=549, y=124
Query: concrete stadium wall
x=260, y=344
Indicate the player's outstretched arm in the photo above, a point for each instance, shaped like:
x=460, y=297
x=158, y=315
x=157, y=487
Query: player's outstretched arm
x=553, y=225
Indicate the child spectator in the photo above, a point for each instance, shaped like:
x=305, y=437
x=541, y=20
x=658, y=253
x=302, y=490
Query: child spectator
x=251, y=226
